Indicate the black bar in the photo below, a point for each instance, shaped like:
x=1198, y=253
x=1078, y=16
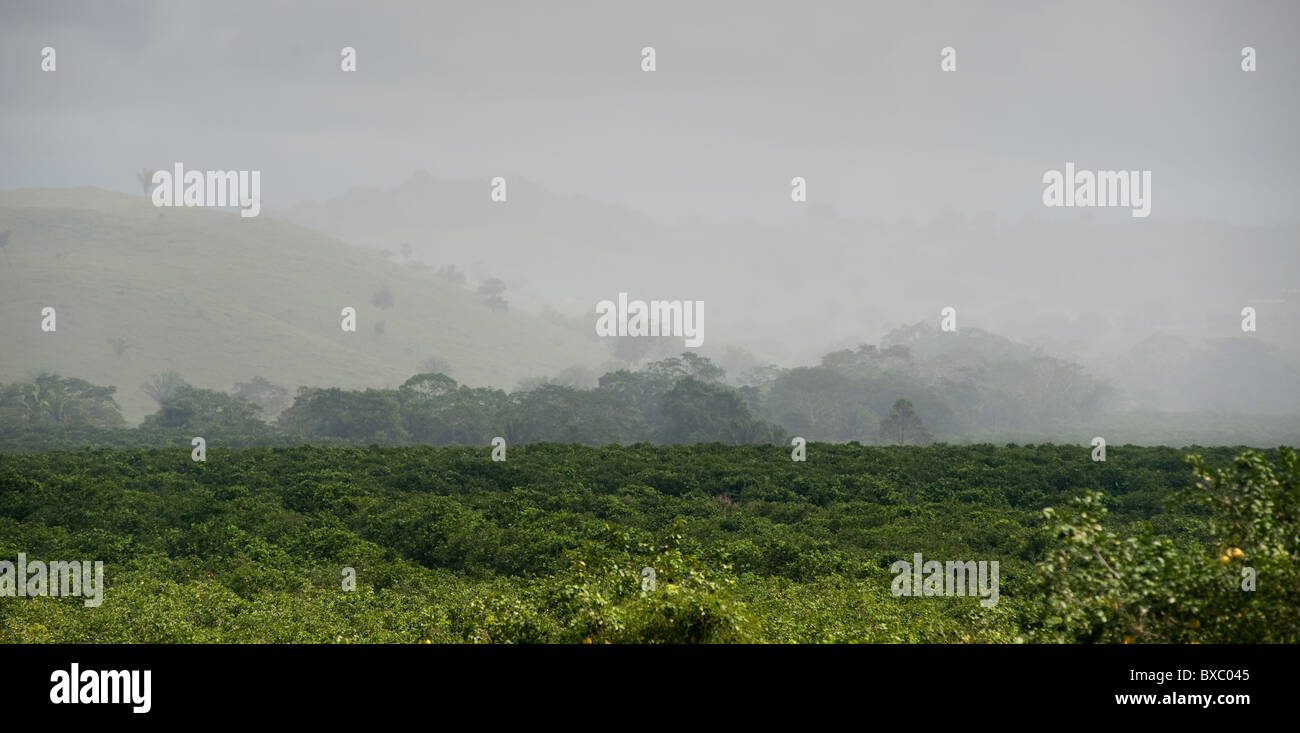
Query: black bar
x=238, y=683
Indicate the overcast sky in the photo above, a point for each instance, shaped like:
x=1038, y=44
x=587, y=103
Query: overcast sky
x=747, y=95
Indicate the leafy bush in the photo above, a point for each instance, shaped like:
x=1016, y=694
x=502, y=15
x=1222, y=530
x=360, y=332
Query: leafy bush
x=1237, y=584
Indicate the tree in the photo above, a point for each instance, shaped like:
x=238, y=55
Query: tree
x=902, y=425
x=51, y=399
x=688, y=365
x=820, y=403
x=451, y=275
x=120, y=345
x=382, y=299
x=490, y=291
x=437, y=411
x=695, y=411
x=559, y=414
x=427, y=387
x=161, y=386
x=761, y=376
x=206, y=412
x=271, y=399
x=641, y=390
x=374, y=414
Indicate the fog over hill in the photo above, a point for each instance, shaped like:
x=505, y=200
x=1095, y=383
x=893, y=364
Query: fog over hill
x=261, y=297
x=1153, y=307
x=220, y=299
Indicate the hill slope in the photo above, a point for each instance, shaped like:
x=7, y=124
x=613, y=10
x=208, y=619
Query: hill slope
x=220, y=299
x=564, y=251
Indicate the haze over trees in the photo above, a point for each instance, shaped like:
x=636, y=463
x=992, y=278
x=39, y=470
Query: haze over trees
x=49, y=400
x=902, y=427
x=969, y=383
x=949, y=389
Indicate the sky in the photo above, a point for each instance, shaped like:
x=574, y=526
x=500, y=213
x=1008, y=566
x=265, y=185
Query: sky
x=745, y=97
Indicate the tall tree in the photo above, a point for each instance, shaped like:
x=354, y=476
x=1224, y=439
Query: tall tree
x=902, y=425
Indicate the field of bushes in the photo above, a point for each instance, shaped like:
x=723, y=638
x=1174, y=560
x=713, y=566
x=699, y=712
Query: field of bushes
x=747, y=545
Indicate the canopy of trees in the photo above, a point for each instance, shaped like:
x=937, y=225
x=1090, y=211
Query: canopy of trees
x=972, y=383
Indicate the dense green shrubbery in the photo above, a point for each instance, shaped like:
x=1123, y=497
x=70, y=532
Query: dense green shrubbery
x=1239, y=586
x=747, y=545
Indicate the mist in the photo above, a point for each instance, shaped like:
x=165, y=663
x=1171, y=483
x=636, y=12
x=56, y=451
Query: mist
x=922, y=189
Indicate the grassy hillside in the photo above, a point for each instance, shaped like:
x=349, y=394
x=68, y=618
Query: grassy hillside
x=565, y=251
x=219, y=299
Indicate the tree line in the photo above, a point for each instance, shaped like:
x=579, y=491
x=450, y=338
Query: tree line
x=908, y=392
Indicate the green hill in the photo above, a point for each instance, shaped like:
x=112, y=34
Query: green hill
x=220, y=299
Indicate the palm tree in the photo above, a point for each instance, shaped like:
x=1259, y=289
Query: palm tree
x=45, y=397
x=120, y=345
x=161, y=387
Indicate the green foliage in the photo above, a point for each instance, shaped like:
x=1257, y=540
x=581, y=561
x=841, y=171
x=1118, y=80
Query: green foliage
x=369, y=415
x=1110, y=586
x=676, y=400
x=206, y=412
x=556, y=413
x=270, y=399
x=822, y=404
x=901, y=426
x=746, y=545
x=51, y=401
x=696, y=411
